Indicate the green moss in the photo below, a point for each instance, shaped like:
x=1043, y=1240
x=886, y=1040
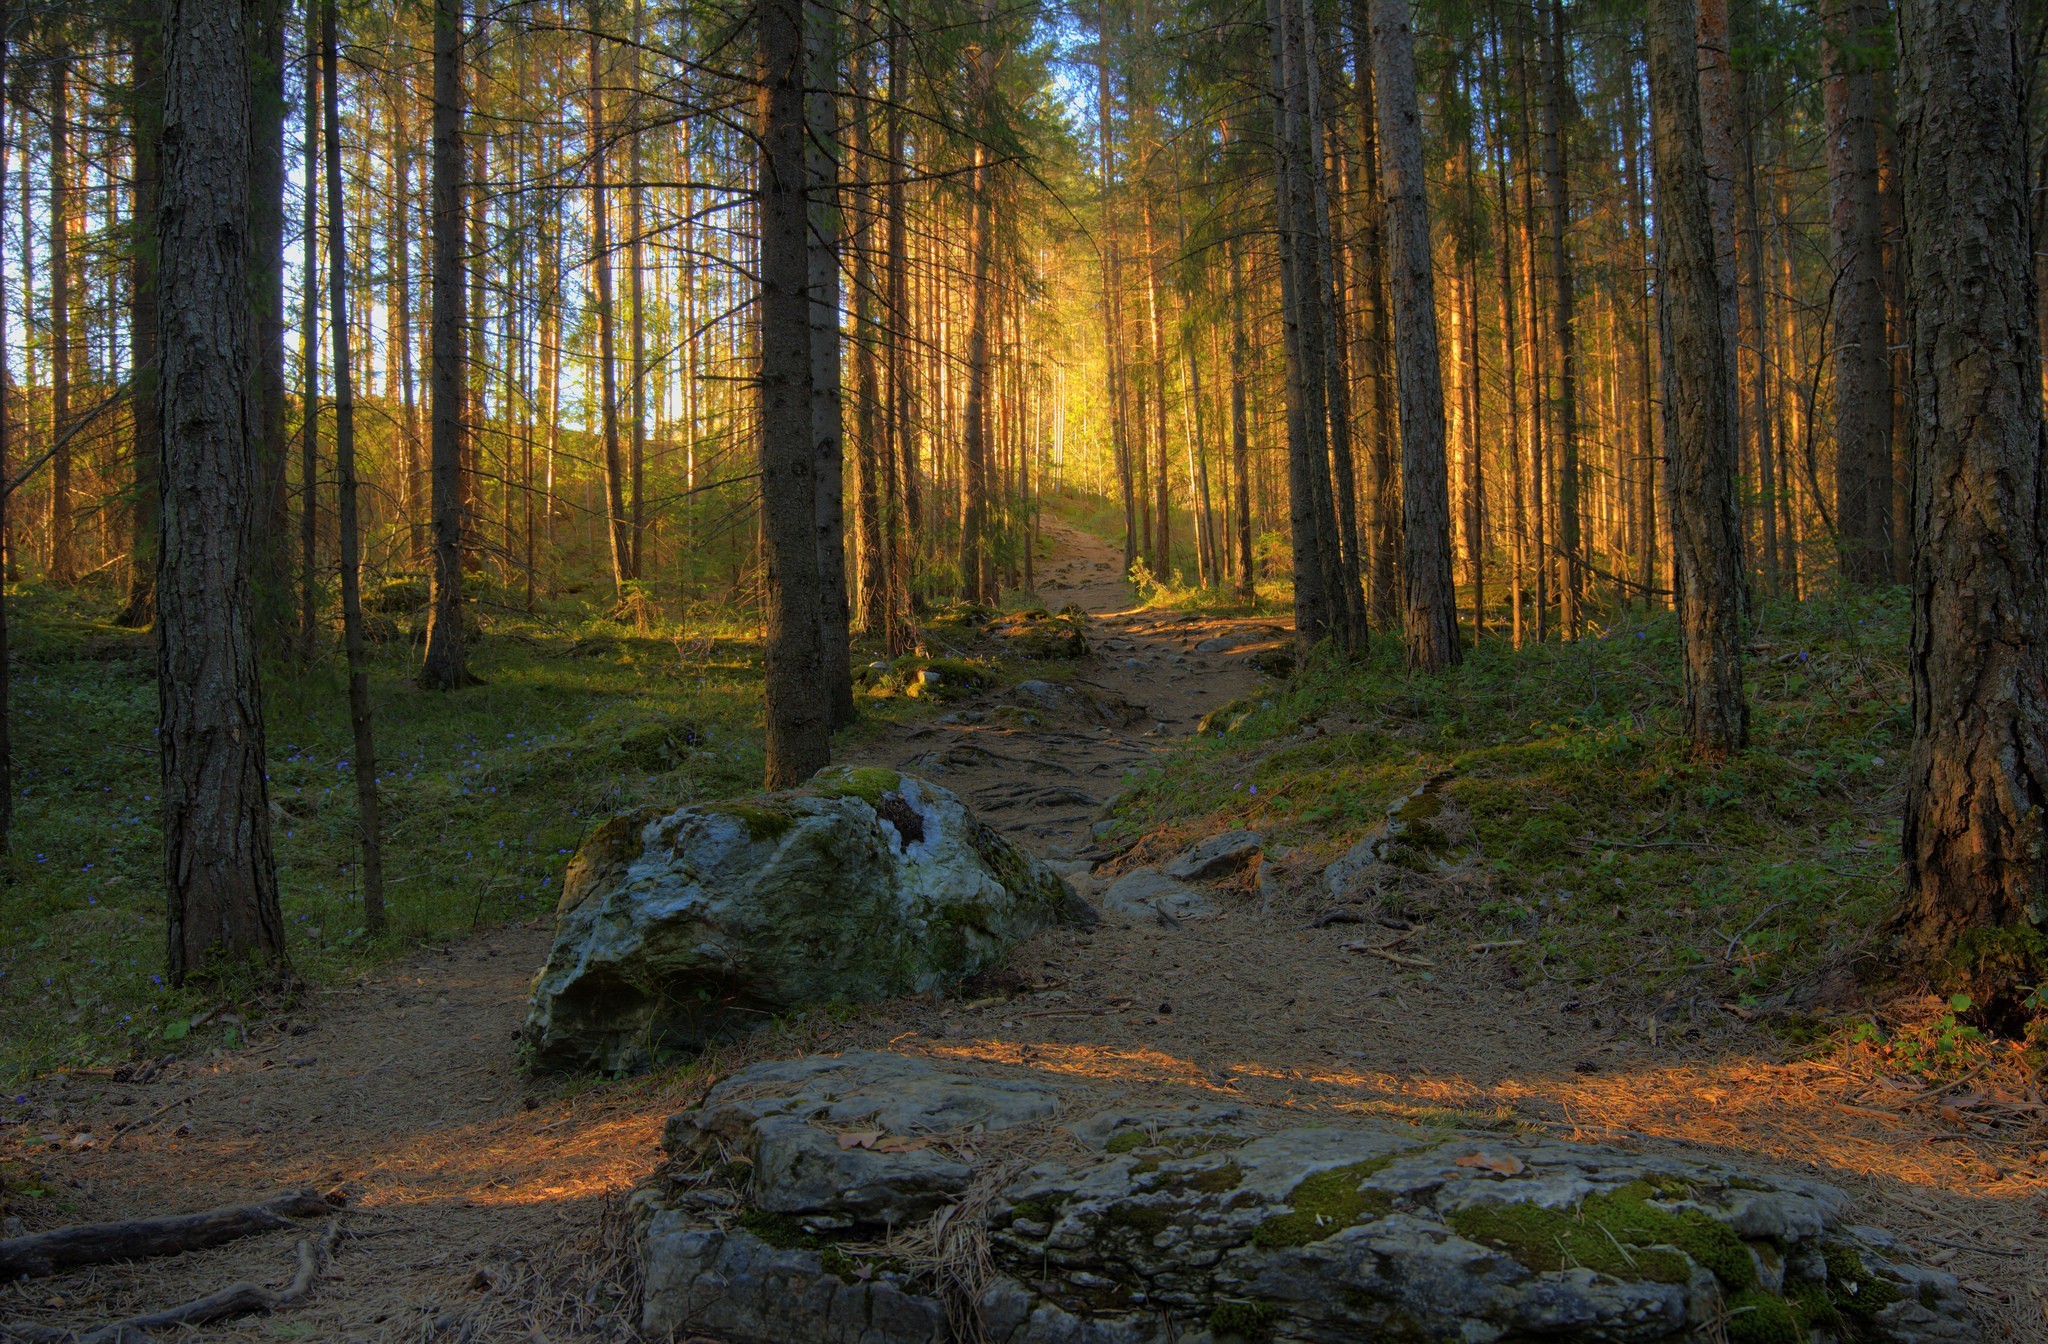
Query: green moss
x=1144, y=1219
x=1325, y=1204
x=1036, y=1209
x=1125, y=1141
x=762, y=822
x=1811, y=1305
x=1758, y=1317
x=1214, y=1180
x=783, y=1231
x=867, y=783
x=1244, y=1320
x=1620, y=1233
x=1853, y=1289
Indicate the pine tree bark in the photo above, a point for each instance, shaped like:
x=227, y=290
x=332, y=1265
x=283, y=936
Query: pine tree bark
x=1698, y=419
x=139, y=611
x=1430, y=615
x=617, y=531
x=799, y=711
x=1381, y=559
x=1316, y=599
x=446, y=665
x=1564, y=407
x=220, y=877
x=309, y=363
x=63, y=563
x=363, y=766
x=636, y=296
x=1976, y=824
x=266, y=297
x=1863, y=459
x=1240, y=429
x=828, y=440
x=7, y=437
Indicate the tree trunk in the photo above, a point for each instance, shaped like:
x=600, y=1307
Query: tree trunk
x=821, y=173
x=1240, y=432
x=636, y=461
x=7, y=437
x=220, y=877
x=1382, y=550
x=139, y=611
x=974, y=565
x=266, y=297
x=1699, y=429
x=1863, y=459
x=63, y=564
x=1430, y=617
x=446, y=667
x=364, y=764
x=309, y=363
x=616, y=529
x=1564, y=409
x=1976, y=825
x=799, y=708
x=900, y=457
x=1315, y=595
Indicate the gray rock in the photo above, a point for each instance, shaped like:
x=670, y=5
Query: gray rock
x=677, y=929
x=1219, y=854
x=1148, y=894
x=1209, y=1223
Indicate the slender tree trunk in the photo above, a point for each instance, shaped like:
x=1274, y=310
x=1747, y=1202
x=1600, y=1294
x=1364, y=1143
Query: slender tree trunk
x=364, y=764
x=1976, y=825
x=974, y=564
x=309, y=361
x=822, y=237
x=1564, y=409
x=1382, y=485
x=1699, y=429
x=140, y=609
x=220, y=877
x=266, y=297
x=799, y=706
x=63, y=564
x=1863, y=462
x=1315, y=598
x=636, y=295
x=901, y=456
x=617, y=531
x=1240, y=430
x=1430, y=620
x=446, y=666
x=402, y=223
x=7, y=423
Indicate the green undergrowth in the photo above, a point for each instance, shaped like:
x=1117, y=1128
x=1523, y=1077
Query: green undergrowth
x=1609, y=850
x=486, y=794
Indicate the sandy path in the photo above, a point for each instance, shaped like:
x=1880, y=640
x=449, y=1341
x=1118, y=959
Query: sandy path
x=486, y=1202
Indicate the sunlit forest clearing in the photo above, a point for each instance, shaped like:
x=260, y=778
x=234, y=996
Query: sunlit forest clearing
x=1044, y=674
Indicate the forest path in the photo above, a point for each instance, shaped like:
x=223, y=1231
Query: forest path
x=486, y=1205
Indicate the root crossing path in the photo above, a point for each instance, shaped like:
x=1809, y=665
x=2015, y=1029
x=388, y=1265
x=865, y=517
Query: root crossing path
x=486, y=1205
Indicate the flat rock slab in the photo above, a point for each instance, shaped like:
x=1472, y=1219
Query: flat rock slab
x=1209, y=1223
x=1149, y=896
x=1217, y=856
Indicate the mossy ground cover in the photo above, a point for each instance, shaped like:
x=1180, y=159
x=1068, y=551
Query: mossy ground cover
x=487, y=792
x=1608, y=849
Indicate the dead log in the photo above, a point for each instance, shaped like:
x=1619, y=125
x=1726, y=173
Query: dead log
x=239, y=1299
x=139, y=1238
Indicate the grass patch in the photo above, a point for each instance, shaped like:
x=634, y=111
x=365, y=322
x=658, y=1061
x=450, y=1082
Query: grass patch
x=1609, y=848
x=487, y=792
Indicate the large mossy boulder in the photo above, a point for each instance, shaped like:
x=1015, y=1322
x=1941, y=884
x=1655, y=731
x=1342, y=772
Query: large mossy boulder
x=676, y=929
x=876, y=1198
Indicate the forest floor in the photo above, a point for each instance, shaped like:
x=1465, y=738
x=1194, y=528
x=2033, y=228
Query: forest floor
x=485, y=1204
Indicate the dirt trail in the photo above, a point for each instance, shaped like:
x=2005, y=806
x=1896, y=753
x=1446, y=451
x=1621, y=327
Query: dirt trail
x=485, y=1205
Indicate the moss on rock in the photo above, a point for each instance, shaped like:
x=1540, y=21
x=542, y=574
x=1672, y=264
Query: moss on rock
x=1324, y=1205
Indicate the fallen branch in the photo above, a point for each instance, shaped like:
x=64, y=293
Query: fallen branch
x=96, y=1243
x=122, y=1131
x=239, y=1299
